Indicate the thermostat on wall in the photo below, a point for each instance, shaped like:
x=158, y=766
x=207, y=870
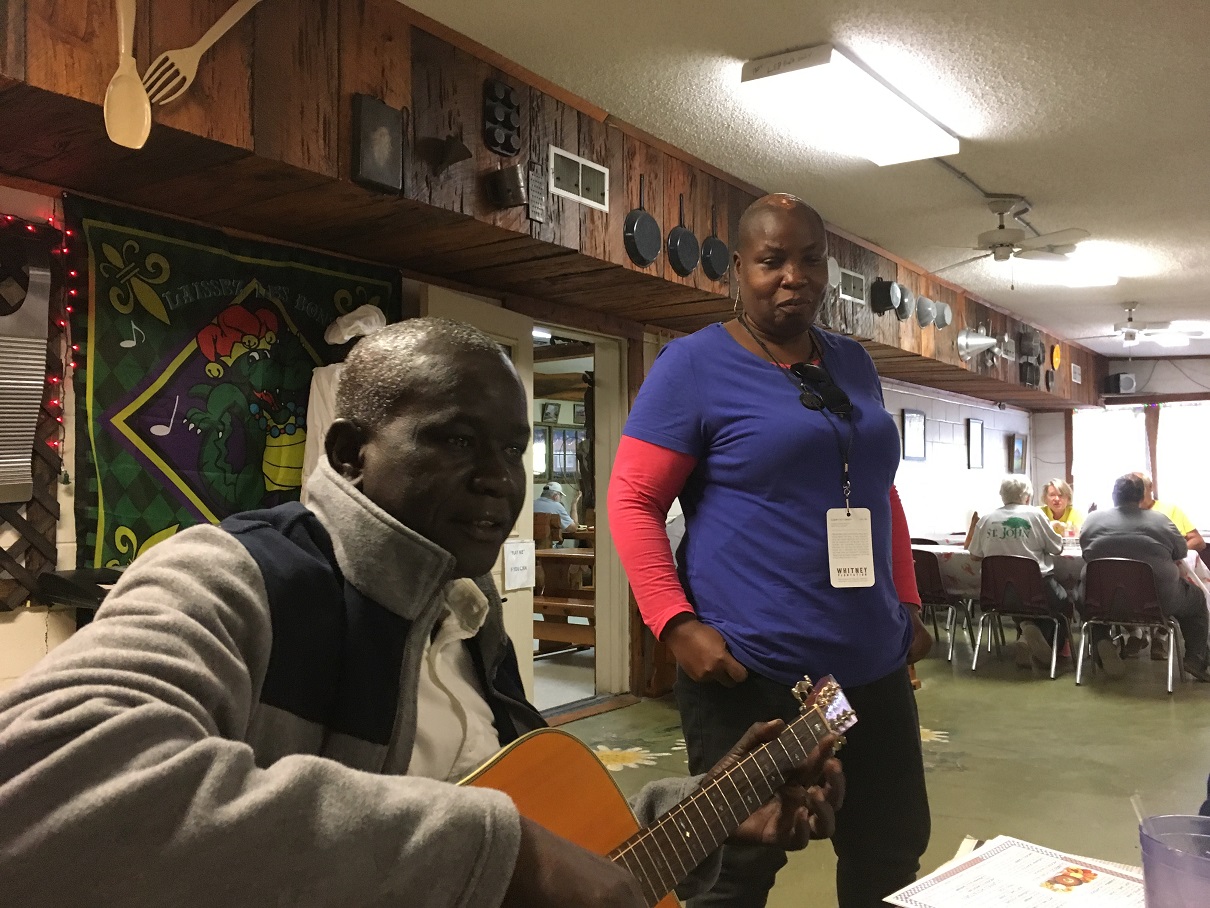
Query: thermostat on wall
x=1076, y=374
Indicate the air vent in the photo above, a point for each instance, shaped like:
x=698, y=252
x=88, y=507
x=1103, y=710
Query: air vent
x=852, y=286
x=580, y=180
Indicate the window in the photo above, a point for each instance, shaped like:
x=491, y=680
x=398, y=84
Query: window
x=563, y=454
x=1106, y=444
x=1180, y=470
x=541, y=454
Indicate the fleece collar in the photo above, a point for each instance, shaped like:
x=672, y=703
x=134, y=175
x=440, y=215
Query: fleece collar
x=391, y=564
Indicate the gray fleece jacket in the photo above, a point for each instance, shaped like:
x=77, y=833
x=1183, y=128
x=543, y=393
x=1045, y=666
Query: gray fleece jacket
x=139, y=768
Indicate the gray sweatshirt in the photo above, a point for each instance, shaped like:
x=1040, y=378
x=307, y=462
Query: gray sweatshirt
x=137, y=765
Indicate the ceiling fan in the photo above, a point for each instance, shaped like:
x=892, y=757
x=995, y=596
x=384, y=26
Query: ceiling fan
x=1004, y=242
x=1166, y=334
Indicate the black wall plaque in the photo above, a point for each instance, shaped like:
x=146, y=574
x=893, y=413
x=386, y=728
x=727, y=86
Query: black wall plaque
x=501, y=118
x=377, y=144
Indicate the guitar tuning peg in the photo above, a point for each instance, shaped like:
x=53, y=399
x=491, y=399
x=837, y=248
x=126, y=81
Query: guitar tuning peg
x=802, y=691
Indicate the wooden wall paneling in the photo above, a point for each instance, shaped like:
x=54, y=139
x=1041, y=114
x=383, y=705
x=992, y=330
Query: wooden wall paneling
x=12, y=39
x=594, y=224
x=515, y=219
x=573, y=317
x=680, y=179
x=642, y=160
x=375, y=59
x=551, y=122
x=853, y=257
x=206, y=191
x=718, y=211
x=524, y=274
x=69, y=147
x=296, y=78
x=476, y=264
x=619, y=198
x=71, y=46
x=909, y=328
x=218, y=105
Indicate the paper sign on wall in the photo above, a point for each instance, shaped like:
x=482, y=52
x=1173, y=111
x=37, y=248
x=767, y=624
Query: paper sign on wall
x=518, y=565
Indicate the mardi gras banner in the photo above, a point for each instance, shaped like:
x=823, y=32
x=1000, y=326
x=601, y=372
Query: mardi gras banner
x=195, y=362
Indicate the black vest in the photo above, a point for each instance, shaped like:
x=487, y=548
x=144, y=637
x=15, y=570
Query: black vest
x=336, y=654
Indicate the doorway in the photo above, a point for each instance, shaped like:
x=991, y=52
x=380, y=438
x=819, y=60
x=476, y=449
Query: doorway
x=565, y=603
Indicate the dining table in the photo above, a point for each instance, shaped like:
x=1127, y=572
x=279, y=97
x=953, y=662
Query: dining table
x=961, y=574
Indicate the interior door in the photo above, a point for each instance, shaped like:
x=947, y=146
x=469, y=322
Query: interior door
x=514, y=332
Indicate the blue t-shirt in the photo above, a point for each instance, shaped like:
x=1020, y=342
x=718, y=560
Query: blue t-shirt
x=550, y=506
x=754, y=559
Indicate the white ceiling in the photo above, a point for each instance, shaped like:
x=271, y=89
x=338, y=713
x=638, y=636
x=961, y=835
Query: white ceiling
x=1097, y=111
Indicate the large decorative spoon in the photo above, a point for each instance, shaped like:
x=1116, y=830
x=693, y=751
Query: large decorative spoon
x=127, y=109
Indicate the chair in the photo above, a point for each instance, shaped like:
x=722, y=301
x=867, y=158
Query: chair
x=1122, y=591
x=548, y=529
x=931, y=586
x=920, y=540
x=1011, y=586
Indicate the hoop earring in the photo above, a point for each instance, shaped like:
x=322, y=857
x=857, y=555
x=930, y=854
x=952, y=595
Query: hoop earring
x=736, y=308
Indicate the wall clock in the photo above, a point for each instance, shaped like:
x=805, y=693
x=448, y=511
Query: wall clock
x=1056, y=357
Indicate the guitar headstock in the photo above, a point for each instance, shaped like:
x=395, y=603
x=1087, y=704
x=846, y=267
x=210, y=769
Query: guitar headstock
x=829, y=700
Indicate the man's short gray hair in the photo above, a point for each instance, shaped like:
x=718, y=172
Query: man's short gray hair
x=386, y=366
x=1016, y=490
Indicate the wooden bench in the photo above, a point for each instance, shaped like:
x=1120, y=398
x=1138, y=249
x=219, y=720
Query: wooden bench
x=553, y=626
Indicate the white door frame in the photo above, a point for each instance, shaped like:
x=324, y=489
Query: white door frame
x=516, y=331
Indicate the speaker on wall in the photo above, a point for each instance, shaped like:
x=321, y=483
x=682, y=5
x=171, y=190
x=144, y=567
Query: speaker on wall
x=1120, y=383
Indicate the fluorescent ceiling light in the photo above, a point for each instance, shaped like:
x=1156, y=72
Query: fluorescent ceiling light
x=541, y=334
x=837, y=103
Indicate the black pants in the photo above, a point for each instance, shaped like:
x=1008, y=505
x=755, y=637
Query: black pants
x=883, y=828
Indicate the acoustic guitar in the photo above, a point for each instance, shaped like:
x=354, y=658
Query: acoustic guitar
x=558, y=783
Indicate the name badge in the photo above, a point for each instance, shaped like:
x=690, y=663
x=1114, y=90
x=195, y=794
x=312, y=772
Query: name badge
x=850, y=548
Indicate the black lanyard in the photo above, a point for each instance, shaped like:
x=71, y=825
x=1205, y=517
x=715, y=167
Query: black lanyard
x=805, y=398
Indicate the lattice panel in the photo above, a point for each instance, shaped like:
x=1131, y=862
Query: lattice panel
x=29, y=530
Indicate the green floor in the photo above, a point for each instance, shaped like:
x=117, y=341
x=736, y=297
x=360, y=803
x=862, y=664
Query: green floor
x=1007, y=750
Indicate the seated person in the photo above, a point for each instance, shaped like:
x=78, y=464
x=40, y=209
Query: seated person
x=270, y=711
x=1127, y=530
x=1018, y=529
x=1192, y=537
x=1057, y=506
x=551, y=502
x=1137, y=640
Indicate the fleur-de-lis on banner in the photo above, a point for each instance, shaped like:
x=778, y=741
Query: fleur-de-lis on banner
x=134, y=280
x=344, y=302
x=126, y=542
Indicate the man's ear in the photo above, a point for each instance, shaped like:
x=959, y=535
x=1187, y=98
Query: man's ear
x=343, y=444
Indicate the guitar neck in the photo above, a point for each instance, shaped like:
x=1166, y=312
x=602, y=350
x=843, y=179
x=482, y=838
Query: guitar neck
x=663, y=854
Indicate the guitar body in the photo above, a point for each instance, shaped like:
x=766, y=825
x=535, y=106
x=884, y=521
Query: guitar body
x=558, y=783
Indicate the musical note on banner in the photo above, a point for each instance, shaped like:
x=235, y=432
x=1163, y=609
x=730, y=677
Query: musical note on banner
x=132, y=341
x=165, y=429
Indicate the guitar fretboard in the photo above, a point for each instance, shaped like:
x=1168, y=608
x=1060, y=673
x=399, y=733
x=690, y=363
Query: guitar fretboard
x=664, y=853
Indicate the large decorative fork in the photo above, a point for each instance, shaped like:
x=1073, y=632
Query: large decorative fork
x=173, y=71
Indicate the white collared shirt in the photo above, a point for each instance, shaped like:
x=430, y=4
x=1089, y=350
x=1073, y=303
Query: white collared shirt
x=455, y=731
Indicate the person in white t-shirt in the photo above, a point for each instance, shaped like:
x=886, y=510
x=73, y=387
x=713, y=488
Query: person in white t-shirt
x=1018, y=529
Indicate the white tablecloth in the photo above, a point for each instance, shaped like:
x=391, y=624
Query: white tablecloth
x=961, y=572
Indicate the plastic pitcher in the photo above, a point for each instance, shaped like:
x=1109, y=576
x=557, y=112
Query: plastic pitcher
x=1176, y=861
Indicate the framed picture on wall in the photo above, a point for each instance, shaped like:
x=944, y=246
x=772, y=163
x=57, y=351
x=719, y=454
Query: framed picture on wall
x=550, y=411
x=1017, y=453
x=577, y=414
x=974, y=444
x=913, y=434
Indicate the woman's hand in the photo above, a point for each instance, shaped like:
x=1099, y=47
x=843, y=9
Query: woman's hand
x=922, y=640
x=701, y=652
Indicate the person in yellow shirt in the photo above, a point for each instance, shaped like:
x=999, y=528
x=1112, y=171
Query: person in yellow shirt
x=1193, y=537
x=1173, y=513
x=1058, y=507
